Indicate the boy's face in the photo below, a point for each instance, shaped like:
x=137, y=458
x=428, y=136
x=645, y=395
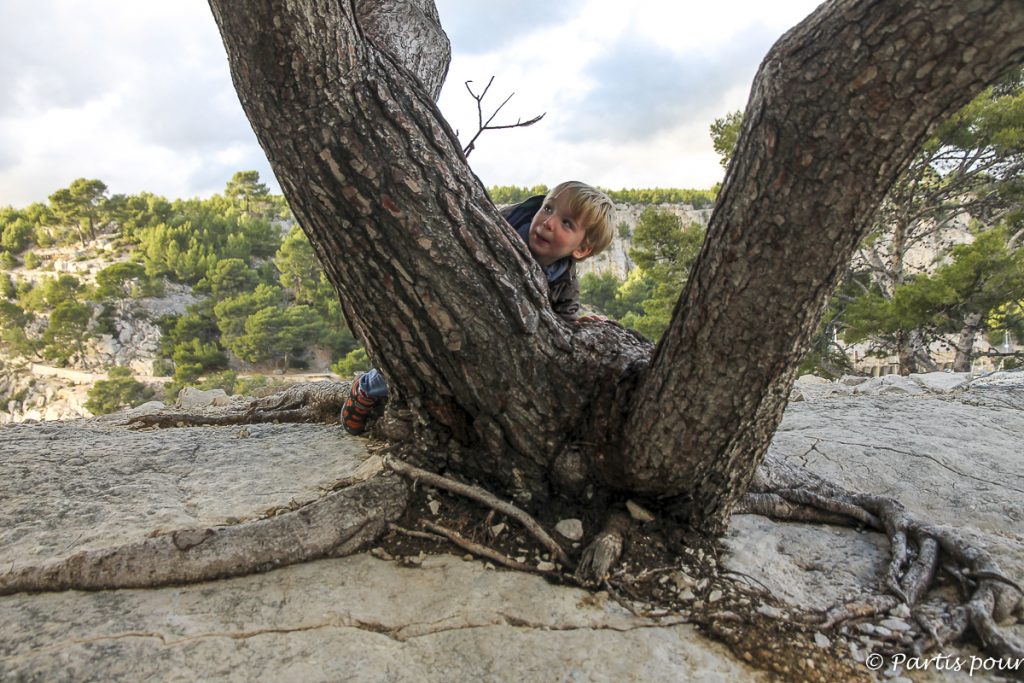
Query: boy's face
x=554, y=234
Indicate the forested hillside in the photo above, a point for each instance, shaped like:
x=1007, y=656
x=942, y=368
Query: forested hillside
x=201, y=291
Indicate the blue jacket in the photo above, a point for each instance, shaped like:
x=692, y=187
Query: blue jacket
x=563, y=285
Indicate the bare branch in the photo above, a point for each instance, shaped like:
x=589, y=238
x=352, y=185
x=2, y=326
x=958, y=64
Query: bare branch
x=486, y=125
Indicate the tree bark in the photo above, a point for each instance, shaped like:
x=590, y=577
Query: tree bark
x=453, y=309
x=965, y=342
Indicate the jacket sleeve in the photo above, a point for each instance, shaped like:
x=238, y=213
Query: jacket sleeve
x=564, y=294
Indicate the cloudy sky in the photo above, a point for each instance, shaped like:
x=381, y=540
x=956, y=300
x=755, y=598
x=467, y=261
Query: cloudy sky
x=138, y=94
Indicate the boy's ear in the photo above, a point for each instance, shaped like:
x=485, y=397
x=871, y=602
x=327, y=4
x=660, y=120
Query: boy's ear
x=581, y=252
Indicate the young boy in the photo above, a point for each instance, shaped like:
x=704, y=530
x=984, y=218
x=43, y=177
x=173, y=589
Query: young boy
x=568, y=225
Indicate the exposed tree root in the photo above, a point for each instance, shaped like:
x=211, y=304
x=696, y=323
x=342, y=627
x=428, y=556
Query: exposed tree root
x=490, y=500
x=784, y=491
x=604, y=551
x=480, y=550
x=303, y=402
x=340, y=523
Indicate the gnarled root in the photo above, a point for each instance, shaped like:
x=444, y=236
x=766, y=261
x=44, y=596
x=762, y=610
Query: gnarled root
x=340, y=523
x=604, y=551
x=784, y=491
x=303, y=402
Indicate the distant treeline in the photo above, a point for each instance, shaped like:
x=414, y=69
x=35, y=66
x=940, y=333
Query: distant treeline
x=698, y=199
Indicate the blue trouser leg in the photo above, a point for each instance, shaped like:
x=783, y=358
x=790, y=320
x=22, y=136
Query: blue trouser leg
x=373, y=385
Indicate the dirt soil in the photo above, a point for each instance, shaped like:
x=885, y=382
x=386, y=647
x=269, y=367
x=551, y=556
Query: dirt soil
x=669, y=574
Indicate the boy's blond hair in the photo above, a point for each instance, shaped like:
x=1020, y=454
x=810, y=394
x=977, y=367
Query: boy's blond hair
x=592, y=209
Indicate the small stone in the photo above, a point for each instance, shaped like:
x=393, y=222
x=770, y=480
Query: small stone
x=497, y=529
x=683, y=580
x=821, y=640
x=770, y=612
x=639, y=513
x=521, y=559
x=715, y=596
x=546, y=566
x=686, y=595
x=901, y=611
x=571, y=529
x=467, y=558
x=435, y=507
x=895, y=624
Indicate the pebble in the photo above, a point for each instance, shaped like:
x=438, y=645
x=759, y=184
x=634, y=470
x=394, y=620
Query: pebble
x=497, y=529
x=546, y=566
x=715, y=596
x=900, y=611
x=770, y=612
x=683, y=580
x=435, y=507
x=821, y=640
x=895, y=624
x=570, y=528
x=686, y=595
x=639, y=513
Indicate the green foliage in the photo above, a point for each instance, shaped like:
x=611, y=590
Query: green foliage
x=664, y=251
x=354, y=361
x=598, y=290
x=511, y=194
x=67, y=331
x=724, y=134
x=249, y=195
x=8, y=261
x=16, y=230
x=32, y=260
x=983, y=278
x=193, y=358
x=7, y=289
x=13, y=322
x=199, y=235
x=699, y=199
x=229, y=277
x=132, y=212
x=80, y=206
x=126, y=279
x=299, y=269
x=49, y=292
x=625, y=232
x=119, y=390
x=276, y=332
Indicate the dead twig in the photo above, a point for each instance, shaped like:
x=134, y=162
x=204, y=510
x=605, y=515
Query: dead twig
x=413, y=533
x=481, y=496
x=481, y=550
x=486, y=125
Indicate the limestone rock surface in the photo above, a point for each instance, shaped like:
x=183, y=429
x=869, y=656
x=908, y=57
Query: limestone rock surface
x=69, y=486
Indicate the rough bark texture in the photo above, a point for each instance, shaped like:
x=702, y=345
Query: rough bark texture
x=838, y=107
x=340, y=523
x=451, y=306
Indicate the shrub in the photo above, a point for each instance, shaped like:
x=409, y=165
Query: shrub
x=119, y=390
x=32, y=260
x=353, y=362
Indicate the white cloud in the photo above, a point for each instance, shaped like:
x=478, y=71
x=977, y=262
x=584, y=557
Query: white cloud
x=138, y=94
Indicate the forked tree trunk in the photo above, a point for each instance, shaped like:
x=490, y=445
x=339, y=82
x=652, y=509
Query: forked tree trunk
x=453, y=309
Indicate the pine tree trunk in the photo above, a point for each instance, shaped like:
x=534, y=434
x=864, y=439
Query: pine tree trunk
x=965, y=342
x=453, y=309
